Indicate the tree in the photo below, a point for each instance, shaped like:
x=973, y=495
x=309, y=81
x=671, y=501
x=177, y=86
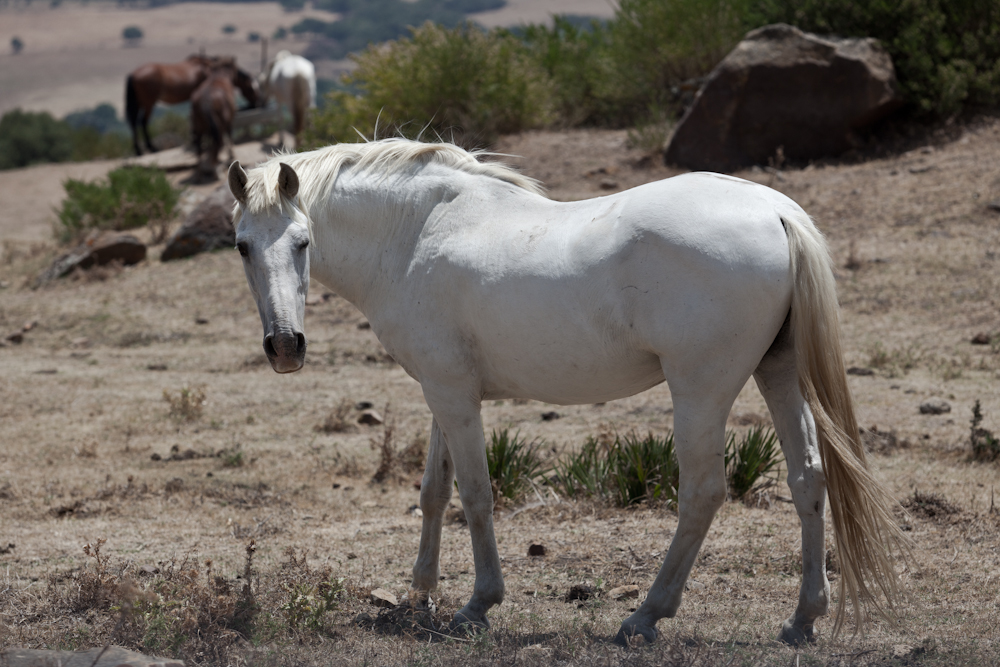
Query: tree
x=229, y=28
x=16, y=45
x=132, y=35
x=28, y=138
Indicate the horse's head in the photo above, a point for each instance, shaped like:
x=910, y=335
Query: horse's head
x=249, y=87
x=273, y=239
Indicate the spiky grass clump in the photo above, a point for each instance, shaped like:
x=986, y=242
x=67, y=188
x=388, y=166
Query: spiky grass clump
x=631, y=469
x=757, y=455
x=513, y=463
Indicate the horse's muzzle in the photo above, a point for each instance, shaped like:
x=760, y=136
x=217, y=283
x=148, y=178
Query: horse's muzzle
x=286, y=351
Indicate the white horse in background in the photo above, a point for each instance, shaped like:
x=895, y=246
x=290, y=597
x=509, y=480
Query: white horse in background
x=483, y=289
x=291, y=80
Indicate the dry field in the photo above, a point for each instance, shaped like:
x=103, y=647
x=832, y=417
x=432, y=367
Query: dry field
x=74, y=56
x=97, y=444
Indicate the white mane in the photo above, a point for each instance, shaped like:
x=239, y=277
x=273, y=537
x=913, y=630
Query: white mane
x=318, y=170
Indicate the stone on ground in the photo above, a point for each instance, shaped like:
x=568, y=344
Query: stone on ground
x=785, y=88
x=98, y=249
x=208, y=227
x=113, y=656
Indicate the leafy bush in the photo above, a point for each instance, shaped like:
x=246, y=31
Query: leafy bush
x=28, y=138
x=512, y=463
x=757, y=455
x=946, y=52
x=131, y=197
x=132, y=34
x=463, y=82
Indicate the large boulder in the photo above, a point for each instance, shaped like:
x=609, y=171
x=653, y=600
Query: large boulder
x=98, y=249
x=208, y=227
x=782, y=87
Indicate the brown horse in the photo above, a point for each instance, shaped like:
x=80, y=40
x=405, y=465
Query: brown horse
x=174, y=83
x=213, y=106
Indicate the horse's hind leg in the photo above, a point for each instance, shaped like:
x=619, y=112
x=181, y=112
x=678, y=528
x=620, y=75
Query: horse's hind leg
x=435, y=492
x=777, y=379
x=145, y=114
x=699, y=439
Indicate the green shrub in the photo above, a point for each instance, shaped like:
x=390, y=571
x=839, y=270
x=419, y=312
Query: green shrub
x=585, y=473
x=131, y=197
x=625, y=471
x=512, y=463
x=463, y=83
x=644, y=469
x=946, y=52
x=29, y=138
x=756, y=455
x=633, y=469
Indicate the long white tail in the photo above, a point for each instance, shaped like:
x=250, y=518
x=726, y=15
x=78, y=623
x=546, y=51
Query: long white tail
x=865, y=533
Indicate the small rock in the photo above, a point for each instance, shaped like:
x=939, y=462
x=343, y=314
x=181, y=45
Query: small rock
x=336, y=485
x=363, y=620
x=580, y=592
x=994, y=205
x=901, y=650
x=201, y=320
x=383, y=598
x=370, y=417
x=855, y=370
x=82, y=341
x=98, y=249
x=208, y=227
x=935, y=406
x=550, y=416
x=537, y=550
x=608, y=184
x=155, y=457
x=364, y=405
x=629, y=592
x=29, y=325
x=149, y=569
x=17, y=337
x=156, y=367
x=981, y=338
x=365, y=325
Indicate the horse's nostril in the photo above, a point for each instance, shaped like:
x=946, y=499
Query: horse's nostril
x=269, y=347
x=300, y=343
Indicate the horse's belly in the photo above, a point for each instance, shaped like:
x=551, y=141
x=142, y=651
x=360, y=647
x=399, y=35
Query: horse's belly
x=549, y=376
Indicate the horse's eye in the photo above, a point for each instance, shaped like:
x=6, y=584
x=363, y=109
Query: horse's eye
x=304, y=245
x=242, y=247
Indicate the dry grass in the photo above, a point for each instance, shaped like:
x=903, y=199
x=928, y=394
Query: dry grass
x=82, y=413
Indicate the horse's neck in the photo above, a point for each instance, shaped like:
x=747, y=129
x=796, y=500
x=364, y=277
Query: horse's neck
x=365, y=232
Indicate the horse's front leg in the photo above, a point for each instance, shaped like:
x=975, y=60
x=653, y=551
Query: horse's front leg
x=457, y=413
x=435, y=492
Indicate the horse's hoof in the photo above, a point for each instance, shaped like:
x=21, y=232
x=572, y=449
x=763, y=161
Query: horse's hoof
x=470, y=623
x=421, y=601
x=630, y=632
x=797, y=636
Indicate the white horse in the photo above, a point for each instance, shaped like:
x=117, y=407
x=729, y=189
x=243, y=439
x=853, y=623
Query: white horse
x=291, y=80
x=483, y=289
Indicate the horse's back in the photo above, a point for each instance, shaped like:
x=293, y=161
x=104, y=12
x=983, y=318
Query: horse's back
x=578, y=302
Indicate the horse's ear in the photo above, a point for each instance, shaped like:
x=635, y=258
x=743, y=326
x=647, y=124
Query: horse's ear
x=238, y=182
x=288, y=181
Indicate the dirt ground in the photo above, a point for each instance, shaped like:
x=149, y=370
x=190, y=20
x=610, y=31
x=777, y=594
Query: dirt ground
x=90, y=449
